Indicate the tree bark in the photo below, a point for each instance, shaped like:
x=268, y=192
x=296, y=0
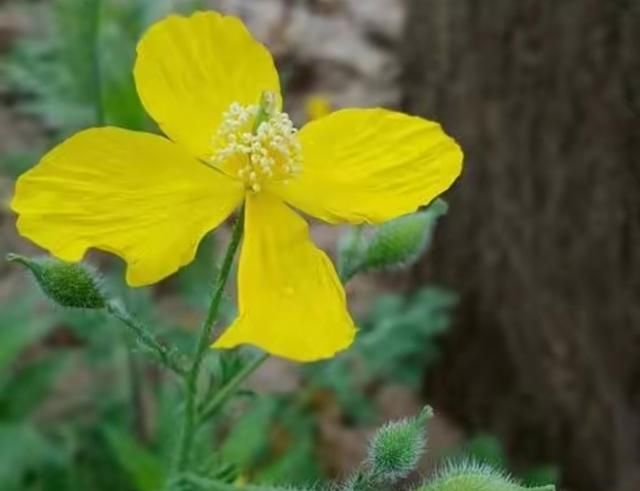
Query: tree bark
x=543, y=236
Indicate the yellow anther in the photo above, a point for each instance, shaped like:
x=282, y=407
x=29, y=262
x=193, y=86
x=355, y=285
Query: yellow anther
x=257, y=143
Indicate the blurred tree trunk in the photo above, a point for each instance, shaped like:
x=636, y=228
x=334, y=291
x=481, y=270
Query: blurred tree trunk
x=543, y=236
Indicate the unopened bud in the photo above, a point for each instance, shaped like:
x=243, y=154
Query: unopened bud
x=397, y=447
x=67, y=284
x=475, y=476
x=401, y=242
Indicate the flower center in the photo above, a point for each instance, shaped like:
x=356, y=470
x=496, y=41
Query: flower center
x=257, y=143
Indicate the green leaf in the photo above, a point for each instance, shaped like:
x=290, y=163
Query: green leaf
x=145, y=469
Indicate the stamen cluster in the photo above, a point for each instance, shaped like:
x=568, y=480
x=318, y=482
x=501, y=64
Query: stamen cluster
x=256, y=151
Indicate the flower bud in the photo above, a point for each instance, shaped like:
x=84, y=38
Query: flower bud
x=401, y=242
x=396, y=244
x=67, y=284
x=397, y=447
x=477, y=477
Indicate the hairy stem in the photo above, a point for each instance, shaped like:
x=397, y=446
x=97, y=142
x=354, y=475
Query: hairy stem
x=165, y=355
x=96, y=68
x=189, y=422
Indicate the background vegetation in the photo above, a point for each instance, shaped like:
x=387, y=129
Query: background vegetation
x=520, y=327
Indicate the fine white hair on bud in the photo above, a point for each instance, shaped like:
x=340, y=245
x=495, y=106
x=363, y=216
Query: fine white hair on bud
x=66, y=284
x=396, y=448
x=257, y=143
x=469, y=474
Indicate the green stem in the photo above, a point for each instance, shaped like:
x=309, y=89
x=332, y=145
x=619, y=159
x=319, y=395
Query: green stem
x=166, y=356
x=228, y=390
x=189, y=422
x=96, y=67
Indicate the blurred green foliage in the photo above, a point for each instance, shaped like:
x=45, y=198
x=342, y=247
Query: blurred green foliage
x=97, y=434
x=76, y=70
x=397, y=342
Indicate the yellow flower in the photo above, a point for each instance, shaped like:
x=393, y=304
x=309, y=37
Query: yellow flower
x=215, y=93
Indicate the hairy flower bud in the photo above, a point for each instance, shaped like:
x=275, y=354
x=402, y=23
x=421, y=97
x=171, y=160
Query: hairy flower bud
x=67, y=284
x=396, y=244
x=397, y=447
x=477, y=477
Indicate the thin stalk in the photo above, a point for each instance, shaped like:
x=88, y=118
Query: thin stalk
x=189, y=422
x=228, y=390
x=166, y=356
x=96, y=67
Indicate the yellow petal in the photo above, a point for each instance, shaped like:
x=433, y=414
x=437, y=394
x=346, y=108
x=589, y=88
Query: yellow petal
x=190, y=69
x=371, y=165
x=291, y=301
x=136, y=195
